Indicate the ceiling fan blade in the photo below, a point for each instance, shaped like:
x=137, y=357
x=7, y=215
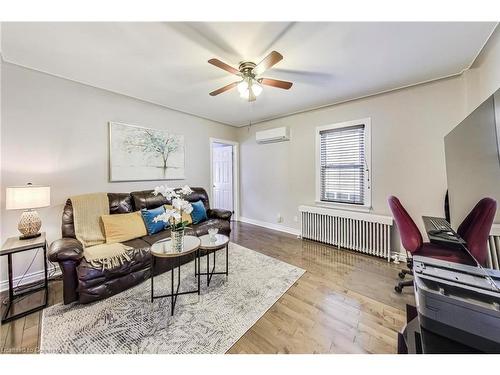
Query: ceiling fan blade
x=270, y=60
x=224, y=66
x=224, y=89
x=251, y=95
x=275, y=83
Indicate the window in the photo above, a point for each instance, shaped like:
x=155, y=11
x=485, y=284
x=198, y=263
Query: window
x=343, y=164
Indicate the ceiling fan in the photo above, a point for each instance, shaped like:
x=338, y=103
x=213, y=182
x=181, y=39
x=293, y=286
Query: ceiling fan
x=250, y=85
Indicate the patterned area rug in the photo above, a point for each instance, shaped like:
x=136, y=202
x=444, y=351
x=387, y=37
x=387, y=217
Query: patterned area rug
x=210, y=323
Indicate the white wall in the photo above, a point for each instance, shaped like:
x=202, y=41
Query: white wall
x=408, y=161
x=483, y=78
x=55, y=132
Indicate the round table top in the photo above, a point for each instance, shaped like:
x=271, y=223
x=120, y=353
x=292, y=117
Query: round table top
x=218, y=242
x=164, y=249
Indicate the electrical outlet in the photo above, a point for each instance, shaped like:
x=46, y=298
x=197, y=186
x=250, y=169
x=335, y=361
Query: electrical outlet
x=296, y=219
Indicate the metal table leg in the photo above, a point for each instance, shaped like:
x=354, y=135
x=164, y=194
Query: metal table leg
x=174, y=290
x=199, y=276
x=208, y=268
x=152, y=276
x=210, y=272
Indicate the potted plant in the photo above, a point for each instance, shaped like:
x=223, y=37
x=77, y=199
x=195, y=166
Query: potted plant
x=173, y=216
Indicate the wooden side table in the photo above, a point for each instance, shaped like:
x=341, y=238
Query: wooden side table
x=12, y=246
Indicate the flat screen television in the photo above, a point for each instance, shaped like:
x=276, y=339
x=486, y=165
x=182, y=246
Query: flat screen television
x=472, y=151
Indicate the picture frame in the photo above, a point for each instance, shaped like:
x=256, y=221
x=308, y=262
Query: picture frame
x=139, y=153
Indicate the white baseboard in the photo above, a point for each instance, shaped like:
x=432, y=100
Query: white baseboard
x=28, y=278
x=278, y=227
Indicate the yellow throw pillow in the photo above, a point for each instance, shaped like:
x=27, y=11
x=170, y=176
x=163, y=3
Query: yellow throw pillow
x=185, y=216
x=123, y=227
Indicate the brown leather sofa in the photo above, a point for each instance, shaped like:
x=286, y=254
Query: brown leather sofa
x=84, y=283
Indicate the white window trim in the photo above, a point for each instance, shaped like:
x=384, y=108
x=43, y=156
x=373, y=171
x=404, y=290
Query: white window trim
x=367, y=122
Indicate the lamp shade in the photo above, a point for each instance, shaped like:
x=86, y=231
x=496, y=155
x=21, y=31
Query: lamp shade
x=25, y=197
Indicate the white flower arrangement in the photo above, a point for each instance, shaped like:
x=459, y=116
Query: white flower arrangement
x=179, y=205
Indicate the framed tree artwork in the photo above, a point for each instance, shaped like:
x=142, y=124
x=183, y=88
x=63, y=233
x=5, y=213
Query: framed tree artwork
x=140, y=154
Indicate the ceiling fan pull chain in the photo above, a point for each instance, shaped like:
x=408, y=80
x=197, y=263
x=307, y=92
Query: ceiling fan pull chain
x=251, y=115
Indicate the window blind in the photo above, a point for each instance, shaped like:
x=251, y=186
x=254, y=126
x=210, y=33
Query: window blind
x=343, y=165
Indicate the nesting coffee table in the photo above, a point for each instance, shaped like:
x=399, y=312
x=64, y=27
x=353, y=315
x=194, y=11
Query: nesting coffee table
x=163, y=249
x=209, y=245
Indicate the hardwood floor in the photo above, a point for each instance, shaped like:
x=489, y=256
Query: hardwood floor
x=344, y=303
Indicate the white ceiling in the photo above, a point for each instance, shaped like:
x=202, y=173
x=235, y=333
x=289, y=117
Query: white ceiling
x=166, y=63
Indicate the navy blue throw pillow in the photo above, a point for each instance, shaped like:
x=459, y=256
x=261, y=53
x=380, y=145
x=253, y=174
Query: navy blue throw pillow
x=199, y=212
x=149, y=215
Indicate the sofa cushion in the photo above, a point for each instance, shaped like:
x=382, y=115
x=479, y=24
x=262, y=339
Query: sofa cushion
x=108, y=287
x=149, y=216
x=137, y=243
x=199, y=194
x=151, y=239
x=146, y=199
x=123, y=227
x=90, y=276
x=199, y=213
x=120, y=203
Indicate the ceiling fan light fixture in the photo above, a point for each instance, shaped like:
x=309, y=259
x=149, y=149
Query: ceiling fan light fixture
x=257, y=88
x=243, y=88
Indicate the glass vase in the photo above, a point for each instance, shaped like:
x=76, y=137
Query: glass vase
x=177, y=239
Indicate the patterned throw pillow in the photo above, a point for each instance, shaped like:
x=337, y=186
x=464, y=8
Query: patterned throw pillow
x=149, y=215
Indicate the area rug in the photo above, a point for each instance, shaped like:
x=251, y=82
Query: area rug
x=206, y=324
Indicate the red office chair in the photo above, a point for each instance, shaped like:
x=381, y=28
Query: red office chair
x=414, y=244
x=476, y=227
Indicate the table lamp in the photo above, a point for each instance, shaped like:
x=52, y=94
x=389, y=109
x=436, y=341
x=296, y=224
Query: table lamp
x=27, y=198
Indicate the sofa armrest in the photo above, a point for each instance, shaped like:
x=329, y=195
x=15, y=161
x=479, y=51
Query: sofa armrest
x=65, y=249
x=215, y=213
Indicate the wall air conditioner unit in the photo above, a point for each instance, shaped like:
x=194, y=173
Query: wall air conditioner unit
x=273, y=135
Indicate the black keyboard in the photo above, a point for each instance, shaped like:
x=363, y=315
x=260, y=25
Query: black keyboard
x=440, y=232
x=440, y=224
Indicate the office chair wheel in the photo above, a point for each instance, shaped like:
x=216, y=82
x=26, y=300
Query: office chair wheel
x=401, y=275
x=398, y=289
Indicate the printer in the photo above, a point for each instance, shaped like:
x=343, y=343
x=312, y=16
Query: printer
x=457, y=302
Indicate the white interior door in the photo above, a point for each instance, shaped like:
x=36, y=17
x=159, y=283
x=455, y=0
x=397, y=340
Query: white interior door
x=222, y=159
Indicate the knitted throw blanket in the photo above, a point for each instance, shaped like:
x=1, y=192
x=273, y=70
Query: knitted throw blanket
x=107, y=256
x=87, y=212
